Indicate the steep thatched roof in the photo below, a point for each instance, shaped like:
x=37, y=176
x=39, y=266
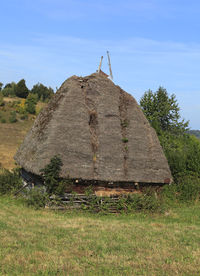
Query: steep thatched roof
x=100, y=133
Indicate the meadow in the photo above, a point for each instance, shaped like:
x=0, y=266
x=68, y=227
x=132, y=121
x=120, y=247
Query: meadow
x=44, y=242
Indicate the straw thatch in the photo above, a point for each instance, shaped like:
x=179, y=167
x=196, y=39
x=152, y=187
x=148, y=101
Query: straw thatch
x=100, y=133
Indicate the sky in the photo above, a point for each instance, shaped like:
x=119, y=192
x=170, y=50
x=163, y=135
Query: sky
x=152, y=43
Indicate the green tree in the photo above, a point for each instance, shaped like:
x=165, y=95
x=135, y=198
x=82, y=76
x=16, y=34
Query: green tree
x=30, y=103
x=42, y=91
x=9, y=90
x=21, y=89
x=181, y=149
x=8, y=85
x=1, y=85
x=51, y=174
x=163, y=111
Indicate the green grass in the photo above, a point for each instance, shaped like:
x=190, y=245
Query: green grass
x=74, y=243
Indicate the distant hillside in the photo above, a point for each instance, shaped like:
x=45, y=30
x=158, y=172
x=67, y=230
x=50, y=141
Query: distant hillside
x=13, y=127
x=195, y=132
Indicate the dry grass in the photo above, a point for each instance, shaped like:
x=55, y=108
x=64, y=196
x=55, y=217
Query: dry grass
x=11, y=136
x=48, y=243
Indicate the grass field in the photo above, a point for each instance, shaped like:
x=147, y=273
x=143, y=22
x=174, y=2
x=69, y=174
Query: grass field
x=47, y=243
x=11, y=136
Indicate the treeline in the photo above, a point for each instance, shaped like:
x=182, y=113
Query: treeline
x=29, y=98
x=181, y=149
x=195, y=133
x=40, y=91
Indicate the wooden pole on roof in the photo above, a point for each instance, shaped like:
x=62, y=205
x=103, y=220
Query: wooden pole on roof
x=99, y=69
x=109, y=64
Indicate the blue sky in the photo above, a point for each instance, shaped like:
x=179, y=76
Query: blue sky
x=151, y=43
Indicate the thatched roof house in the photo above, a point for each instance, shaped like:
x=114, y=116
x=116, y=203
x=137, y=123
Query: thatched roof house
x=100, y=133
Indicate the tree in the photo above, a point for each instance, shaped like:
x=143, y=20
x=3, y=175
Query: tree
x=51, y=174
x=30, y=103
x=42, y=91
x=9, y=90
x=8, y=85
x=163, y=111
x=21, y=89
x=181, y=149
x=1, y=85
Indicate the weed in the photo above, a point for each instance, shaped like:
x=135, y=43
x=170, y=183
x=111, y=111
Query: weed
x=89, y=190
x=3, y=121
x=36, y=197
x=24, y=116
x=125, y=140
x=124, y=123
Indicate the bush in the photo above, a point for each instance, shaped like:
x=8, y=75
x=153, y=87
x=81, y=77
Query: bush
x=52, y=180
x=183, y=154
x=9, y=91
x=36, y=198
x=3, y=121
x=186, y=189
x=24, y=116
x=2, y=103
x=30, y=103
x=13, y=117
x=149, y=200
x=10, y=181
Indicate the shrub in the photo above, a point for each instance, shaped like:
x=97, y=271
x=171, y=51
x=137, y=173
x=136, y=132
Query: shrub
x=186, y=189
x=1, y=100
x=24, y=116
x=8, y=91
x=183, y=154
x=88, y=191
x=52, y=180
x=30, y=103
x=146, y=201
x=10, y=181
x=36, y=198
x=3, y=121
x=13, y=117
